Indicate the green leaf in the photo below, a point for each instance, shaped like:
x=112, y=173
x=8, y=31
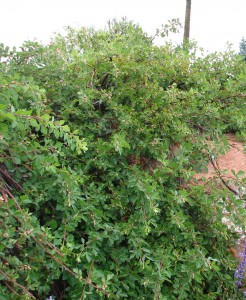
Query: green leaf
x=119, y=142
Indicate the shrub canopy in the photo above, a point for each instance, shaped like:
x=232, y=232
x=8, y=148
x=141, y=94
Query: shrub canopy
x=94, y=204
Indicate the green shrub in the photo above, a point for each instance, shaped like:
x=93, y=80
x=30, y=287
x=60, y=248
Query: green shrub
x=88, y=124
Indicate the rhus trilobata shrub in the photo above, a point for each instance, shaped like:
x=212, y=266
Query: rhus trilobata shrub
x=99, y=133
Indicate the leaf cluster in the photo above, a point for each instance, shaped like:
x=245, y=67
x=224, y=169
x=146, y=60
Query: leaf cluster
x=103, y=130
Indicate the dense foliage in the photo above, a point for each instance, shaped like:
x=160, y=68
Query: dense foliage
x=100, y=132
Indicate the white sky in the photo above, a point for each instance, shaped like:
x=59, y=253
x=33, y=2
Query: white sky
x=213, y=22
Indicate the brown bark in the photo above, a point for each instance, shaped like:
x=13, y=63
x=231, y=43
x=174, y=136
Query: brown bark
x=187, y=21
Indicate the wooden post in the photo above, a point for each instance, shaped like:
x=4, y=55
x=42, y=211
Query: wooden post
x=187, y=21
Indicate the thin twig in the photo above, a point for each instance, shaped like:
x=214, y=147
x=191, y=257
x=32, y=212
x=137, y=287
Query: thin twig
x=17, y=284
x=216, y=168
x=10, y=288
x=67, y=269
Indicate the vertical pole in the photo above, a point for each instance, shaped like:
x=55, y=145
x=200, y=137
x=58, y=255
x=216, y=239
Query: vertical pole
x=187, y=21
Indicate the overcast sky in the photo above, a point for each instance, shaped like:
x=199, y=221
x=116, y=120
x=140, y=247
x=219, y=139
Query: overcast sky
x=213, y=22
